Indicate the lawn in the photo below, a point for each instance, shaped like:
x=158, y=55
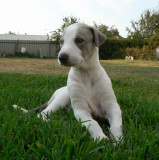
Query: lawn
x=31, y=82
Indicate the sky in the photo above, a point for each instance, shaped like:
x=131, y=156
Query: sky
x=39, y=17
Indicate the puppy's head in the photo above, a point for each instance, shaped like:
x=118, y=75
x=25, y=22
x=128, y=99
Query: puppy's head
x=78, y=43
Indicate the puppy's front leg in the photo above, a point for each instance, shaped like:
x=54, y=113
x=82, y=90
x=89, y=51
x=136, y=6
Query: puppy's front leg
x=115, y=119
x=93, y=127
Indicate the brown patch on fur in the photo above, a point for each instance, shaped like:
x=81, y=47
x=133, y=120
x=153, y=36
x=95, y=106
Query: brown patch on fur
x=88, y=45
x=40, y=108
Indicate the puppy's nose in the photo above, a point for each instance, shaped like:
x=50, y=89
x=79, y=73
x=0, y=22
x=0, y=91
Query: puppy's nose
x=63, y=58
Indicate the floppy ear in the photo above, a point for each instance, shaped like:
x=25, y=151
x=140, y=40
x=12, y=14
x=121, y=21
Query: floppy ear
x=98, y=37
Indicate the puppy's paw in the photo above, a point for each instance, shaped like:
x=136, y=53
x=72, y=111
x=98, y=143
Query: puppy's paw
x=117, y=140
x=100, y=137
x=43, y=116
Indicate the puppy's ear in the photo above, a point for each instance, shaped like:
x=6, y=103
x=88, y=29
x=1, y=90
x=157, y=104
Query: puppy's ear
x=98, y=37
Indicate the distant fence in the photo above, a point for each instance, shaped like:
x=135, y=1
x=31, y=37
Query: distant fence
x=35, y=48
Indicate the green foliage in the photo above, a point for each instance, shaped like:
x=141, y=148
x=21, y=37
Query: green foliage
x=144, y=53
x=146, y=26
x=116, y=49
x=11, y=33
x=26, y=54
x=111, y=48
x=55, y=35
x=137, y=52
x=109, y=32
x=146, y=29
x=154, y=41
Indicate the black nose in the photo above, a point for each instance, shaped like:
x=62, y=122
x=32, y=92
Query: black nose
x=63, y=58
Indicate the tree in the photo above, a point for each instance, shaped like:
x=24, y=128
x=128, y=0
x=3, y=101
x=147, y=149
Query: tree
x=10, y=32
x=154, y=41
x=145, y=27
x=66, y=22
x=109, y=32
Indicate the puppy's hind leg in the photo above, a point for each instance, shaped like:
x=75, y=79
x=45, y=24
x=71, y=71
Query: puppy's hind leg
x=60, y=99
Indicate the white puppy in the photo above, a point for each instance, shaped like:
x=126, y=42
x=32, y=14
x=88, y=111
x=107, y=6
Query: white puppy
x=89, y=90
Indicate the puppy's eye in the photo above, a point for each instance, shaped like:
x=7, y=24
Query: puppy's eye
x=79, y=40
x=61, y=42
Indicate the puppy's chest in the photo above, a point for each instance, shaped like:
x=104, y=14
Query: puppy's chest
x=93, y=98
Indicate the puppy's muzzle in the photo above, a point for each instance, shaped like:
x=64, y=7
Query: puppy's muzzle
x=63, y=58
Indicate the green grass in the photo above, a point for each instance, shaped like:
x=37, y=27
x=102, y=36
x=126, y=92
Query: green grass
x=136, y=85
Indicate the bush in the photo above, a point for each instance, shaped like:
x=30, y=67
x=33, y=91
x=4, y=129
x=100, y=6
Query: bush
x=117, y=49
x=144, y=53
x=137, y=52
x=26, y=54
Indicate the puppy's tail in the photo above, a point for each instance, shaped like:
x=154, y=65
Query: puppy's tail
x=36, y=110
x=17, y=107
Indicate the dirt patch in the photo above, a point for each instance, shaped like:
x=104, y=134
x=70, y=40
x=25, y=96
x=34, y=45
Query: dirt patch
x=50, y=66
x=32, y=66
x=139, y=63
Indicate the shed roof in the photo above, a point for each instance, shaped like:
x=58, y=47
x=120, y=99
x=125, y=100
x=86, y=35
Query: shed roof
x=23, y=37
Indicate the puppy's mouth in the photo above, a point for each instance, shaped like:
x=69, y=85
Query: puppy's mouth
x=68, y=64
x=65, y=63
x=64, y=60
